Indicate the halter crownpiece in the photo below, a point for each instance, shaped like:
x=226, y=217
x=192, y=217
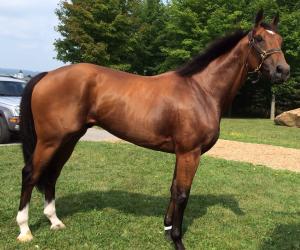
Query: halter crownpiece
x=264, y=54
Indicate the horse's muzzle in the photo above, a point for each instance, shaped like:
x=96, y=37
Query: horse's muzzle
x=281, y=73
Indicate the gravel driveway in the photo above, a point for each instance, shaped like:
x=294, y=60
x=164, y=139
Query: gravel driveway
x=260, y=154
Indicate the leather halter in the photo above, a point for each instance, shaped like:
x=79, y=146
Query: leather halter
x=264, y=54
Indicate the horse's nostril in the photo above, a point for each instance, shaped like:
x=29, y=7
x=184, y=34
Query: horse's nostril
x=279, y=69
x=283, y=70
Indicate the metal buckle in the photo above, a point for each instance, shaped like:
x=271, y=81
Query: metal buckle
x=263, y=54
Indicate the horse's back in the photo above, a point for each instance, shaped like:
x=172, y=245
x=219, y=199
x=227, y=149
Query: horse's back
x=148, y=111
x=135, y=108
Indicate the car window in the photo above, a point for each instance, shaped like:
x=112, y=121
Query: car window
x=11, y=88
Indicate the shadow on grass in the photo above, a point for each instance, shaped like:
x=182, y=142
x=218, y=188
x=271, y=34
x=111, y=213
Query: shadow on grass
x=141, y=204
x=283, y=237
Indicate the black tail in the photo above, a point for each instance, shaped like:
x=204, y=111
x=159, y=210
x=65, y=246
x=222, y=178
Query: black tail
x=27, y=130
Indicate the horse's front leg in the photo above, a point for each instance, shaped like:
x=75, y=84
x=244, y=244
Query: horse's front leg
x=168, y=221
x=186, y=166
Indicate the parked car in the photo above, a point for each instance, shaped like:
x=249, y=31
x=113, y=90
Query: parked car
x=11, y=90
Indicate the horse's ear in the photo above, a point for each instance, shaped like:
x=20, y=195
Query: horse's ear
x=275, y=21
x=259, y=17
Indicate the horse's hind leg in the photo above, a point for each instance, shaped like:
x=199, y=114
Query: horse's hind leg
x=60, y=158
x=49, y=206
x=22, y=217
x=31, y=173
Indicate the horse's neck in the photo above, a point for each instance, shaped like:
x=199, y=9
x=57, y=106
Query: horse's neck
x=224, y=76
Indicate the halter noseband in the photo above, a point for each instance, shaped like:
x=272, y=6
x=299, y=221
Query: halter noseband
x=264, y=54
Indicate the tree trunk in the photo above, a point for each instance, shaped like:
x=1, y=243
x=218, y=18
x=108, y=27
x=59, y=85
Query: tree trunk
x=272, y=113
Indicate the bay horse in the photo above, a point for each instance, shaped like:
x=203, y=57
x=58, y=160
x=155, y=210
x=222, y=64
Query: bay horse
x=176, y=112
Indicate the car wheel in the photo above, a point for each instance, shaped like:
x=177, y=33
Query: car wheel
x=4, y=132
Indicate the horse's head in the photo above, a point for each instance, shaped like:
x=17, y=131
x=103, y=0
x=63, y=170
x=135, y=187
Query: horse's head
x=265, y=53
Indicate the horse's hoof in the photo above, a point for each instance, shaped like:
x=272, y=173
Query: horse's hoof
x=179, y=245
x=58, y=226
x=25, y=237
x=168, y=235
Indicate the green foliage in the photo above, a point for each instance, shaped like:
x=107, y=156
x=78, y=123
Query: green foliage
x=147, y=55
x=153, y=36
x=116, y=33
x=97, y=31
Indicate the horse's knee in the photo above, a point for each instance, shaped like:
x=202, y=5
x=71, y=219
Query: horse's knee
x=180, y=196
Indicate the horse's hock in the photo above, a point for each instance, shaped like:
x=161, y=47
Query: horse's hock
x=289, y=118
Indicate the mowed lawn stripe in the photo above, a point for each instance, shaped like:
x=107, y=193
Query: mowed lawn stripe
x=114, y=196
x=262, y=131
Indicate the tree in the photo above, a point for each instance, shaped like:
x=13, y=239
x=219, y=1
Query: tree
x=148, y=38
x=97, y=31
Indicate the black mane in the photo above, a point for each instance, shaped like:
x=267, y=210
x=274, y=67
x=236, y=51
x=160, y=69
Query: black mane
x=216, y=49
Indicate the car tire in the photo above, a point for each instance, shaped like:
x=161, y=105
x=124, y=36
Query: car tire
x=4, y=132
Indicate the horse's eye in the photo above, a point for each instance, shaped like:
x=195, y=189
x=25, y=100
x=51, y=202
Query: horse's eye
x=258, y=38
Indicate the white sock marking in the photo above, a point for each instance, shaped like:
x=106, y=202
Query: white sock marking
x=50, y=212
x=168, y=228
x=22, y=220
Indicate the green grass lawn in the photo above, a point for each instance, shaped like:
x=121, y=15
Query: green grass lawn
x=261, y=131
x=113, y=196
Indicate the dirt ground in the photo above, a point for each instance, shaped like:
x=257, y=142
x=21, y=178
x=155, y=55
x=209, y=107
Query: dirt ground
x=260, y=154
